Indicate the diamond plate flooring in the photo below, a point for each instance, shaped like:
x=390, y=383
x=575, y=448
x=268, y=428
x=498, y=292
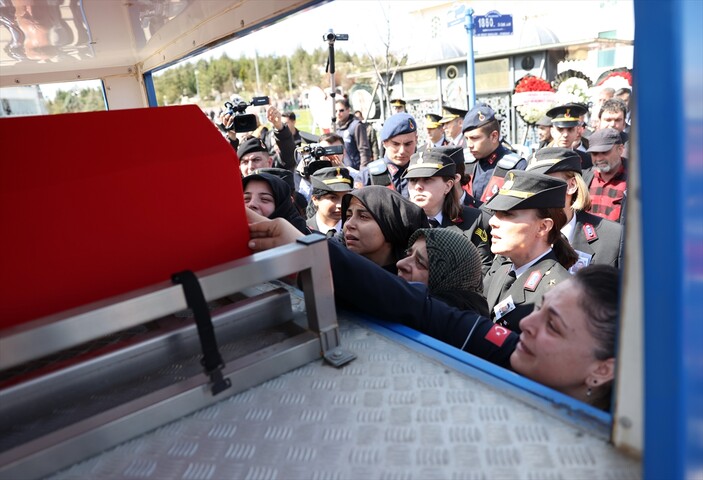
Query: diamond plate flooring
x=391, y=414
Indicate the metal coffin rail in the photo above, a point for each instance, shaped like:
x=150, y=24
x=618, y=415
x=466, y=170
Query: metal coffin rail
x=60, y=416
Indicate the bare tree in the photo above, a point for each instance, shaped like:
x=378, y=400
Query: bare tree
x=387, y=67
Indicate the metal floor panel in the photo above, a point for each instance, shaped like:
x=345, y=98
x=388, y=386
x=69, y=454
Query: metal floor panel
x=390, y=414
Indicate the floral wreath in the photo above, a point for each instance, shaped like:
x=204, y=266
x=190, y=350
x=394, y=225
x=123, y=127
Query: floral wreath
x=572, y=86
x=532, y=97
x=616, y=78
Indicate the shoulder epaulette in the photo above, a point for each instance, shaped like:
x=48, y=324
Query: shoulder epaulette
x=509, y=161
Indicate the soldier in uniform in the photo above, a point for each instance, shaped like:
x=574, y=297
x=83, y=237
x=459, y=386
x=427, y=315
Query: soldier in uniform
x=462, y=179
x=398, y=105
x=451, y=123
x=567, y=125
x=399, y=137
x=431, y=176
x=531, y=253
x=328, y=188
x=490, y=160
x=435, y=133
x=595, y=239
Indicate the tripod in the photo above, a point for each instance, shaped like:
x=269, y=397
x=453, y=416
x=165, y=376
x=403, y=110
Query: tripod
x=330, y=37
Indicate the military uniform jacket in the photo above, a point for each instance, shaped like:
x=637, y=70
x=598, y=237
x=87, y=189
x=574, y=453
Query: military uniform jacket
x=526, y=291
x=488, y=174
x=598, y=238
x=312, y=225
x=473, y=223
x=391, y=178
x=362, y=286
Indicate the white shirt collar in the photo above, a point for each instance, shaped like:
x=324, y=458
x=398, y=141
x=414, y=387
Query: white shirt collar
x=526, y=267
x=568, y=229
x=439, y=217
x=322, y=228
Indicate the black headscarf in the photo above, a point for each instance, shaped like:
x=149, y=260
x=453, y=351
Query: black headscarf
x=285, y=208
x=397, y=216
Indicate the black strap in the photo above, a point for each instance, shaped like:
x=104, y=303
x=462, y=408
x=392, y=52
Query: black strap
x=212, y=361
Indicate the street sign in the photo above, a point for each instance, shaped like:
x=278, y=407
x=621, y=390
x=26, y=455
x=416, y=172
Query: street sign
x=493, y=23
x=456, y=15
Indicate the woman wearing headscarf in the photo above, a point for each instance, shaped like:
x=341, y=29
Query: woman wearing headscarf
x=568, y=344
x=595, y=239
x=449, y=264
x=532, y=255
x=377, y=223
x=270, y=196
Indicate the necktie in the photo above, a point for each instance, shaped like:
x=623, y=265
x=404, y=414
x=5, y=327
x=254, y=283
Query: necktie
x=433, y=223
x=508, y=283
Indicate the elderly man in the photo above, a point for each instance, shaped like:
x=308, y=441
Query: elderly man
x=435, y=133
x=451, y=122
x=398, y=105
x=399, y=137
x=607, y=180
x=253, y=155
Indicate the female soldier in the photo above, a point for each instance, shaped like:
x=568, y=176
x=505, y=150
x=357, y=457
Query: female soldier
x=526, y=233
x=568, y=344
x=377, y=223
x=595, y=239
x=328, y=188
x=449, y=264
x=269, y=196
x=431, y=177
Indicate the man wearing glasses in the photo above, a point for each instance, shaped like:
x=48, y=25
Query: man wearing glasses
x=357, y=151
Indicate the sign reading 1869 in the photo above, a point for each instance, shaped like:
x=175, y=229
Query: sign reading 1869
x=493, y=23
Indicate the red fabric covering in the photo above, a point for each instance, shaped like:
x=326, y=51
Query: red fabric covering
x=98, y=204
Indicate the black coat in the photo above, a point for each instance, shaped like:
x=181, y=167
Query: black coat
x=362, y=286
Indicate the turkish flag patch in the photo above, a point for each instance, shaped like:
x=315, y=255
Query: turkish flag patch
x=497, y=335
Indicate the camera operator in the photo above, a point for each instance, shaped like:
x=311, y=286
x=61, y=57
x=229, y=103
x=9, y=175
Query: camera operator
x=279, y=142
x=333, y=160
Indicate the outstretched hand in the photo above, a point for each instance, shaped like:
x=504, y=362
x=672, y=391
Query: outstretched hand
x=266, y=233
x=274, y=116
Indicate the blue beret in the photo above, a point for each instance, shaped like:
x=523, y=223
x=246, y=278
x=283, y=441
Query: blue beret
x=478, y=116
x=398, y=124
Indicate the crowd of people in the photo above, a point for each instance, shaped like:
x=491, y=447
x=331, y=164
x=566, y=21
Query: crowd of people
x=515, y=260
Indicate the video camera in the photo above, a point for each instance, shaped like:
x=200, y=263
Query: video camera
x=243, y=122
x=312, y=157
x=330, y=36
